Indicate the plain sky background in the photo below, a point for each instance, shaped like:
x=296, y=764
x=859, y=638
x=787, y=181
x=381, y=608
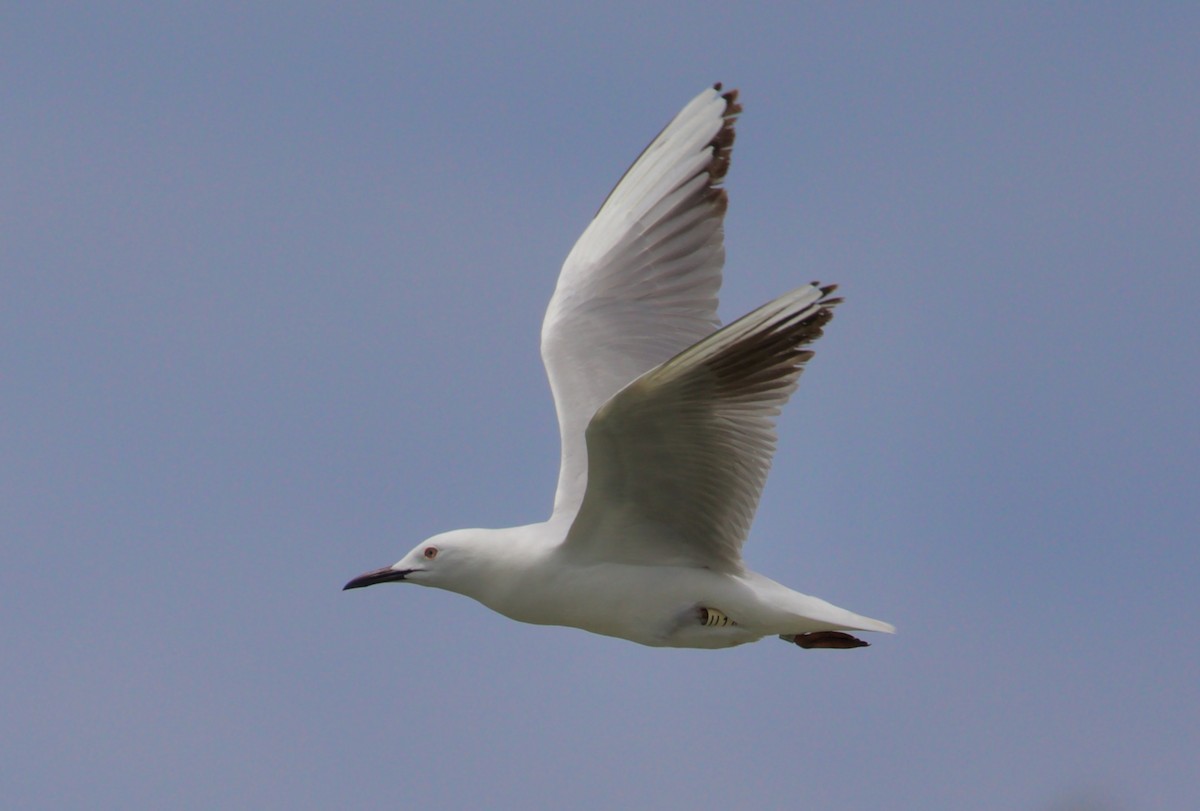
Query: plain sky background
x=271, y=284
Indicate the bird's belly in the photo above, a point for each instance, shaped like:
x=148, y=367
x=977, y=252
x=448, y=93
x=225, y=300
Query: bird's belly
x=652, y=605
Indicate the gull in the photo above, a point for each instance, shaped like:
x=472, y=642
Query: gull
x=667, y=424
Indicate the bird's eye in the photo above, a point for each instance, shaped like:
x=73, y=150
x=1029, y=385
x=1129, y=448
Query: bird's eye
x=430, y=552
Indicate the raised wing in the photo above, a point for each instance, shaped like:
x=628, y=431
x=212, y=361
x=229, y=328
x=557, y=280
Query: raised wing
x=677, y=460
x=641, y=283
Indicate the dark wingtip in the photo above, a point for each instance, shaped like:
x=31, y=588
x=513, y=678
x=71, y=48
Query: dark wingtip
x=722, y=142
x=827, y=297
x=732, y=107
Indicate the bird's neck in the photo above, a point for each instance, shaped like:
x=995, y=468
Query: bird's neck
x=506, y=562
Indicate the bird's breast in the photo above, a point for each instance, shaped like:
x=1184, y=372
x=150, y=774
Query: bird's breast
x=651, y=605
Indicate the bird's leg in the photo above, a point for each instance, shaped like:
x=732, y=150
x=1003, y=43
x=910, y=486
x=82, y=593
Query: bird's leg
x=825, y=639
x=712, y=618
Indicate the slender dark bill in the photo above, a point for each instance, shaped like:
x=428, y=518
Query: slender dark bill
x=385, y=575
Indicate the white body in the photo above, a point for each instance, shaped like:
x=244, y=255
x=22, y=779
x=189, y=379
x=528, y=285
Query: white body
x=531, y=580
x=667, y=427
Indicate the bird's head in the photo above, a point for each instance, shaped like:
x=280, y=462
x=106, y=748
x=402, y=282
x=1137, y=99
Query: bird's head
x=451, y=560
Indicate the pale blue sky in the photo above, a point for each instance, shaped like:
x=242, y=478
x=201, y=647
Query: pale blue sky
x=271, y=283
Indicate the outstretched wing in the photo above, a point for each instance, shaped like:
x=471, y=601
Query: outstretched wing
x=677, y=460
x=641, y=283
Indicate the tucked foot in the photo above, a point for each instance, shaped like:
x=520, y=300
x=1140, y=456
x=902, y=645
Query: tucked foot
x=825, y=639
x=713, y=618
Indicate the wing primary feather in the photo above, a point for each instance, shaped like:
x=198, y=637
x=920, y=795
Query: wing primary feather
x=641, y=283
x=678, y=458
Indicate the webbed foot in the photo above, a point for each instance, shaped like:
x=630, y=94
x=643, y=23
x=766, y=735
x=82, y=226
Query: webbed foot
x=825, y=639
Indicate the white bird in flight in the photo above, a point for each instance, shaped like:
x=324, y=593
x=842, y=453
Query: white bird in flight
x=667, y=427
